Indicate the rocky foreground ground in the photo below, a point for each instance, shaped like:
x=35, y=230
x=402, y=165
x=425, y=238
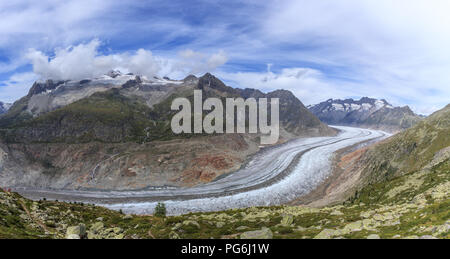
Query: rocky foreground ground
x=412, y=206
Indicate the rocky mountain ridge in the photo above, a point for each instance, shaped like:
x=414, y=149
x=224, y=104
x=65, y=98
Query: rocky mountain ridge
x=113, y=132
x=366, y=112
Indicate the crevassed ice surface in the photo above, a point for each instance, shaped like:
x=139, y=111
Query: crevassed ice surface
x=312, y=168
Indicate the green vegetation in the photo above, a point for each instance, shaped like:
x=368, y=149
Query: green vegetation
x=410, y=150
x=105, y=117
x=160, y=210
x=16, y=114
x=419, y=212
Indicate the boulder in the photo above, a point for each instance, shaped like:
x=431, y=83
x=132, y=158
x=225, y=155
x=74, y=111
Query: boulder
x=91, y=235
x=220, y=224
x=242, y=228
x=127, y=217
x=192, y=223
x=117, y=230
x=353, y=227
x=173, y=235
x=177, y=226
x=336, y=213
x=257, y=216
x=264, y=233
x=97, y=227
x=287, y=220
x=79, y=230
x=366, y=214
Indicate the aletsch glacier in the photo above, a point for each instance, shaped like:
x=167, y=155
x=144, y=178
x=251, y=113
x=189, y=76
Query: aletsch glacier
x=311, y=170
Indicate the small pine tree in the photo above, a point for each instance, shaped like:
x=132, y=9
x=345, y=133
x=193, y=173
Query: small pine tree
x=160, y=210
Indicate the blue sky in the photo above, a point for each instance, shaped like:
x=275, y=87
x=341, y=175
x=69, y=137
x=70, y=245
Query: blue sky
x=397, y=50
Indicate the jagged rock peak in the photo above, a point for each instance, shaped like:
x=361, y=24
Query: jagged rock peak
x=282, y=94
x=367, y=112
x=190, y=78
x=39, y=87
x=213, y=82
x=114, y=73
x=133, y=82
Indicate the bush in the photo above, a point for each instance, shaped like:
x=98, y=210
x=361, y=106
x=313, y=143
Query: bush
x=160, y=210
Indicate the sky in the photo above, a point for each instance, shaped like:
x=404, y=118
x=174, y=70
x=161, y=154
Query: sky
x=397, y=50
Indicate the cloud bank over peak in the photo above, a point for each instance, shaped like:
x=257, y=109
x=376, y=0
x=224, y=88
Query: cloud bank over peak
x=85, y=61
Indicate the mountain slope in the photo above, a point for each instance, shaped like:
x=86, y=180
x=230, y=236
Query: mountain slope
x=422, y=151
x=419, y=147
x=111, y=112
x=366, y=112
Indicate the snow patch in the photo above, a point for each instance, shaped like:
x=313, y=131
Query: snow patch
x=338, y=107
x=355, y=106
x=366, y=106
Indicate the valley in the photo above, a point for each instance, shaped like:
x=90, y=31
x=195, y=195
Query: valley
x=274, y=176
x=99, y=162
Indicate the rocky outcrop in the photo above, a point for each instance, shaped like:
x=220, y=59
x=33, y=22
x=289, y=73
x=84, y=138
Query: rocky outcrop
x=98, y=231
x=264, y=233
x=41, y=87
x=76, y=232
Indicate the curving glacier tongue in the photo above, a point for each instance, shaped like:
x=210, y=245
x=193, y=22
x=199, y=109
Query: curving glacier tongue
x=246, y=188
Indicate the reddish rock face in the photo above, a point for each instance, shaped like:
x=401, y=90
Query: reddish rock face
x=206, y=168
x=128, y=166
x=217, y=162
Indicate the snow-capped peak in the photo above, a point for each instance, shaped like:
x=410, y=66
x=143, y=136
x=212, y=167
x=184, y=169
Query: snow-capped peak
x=114, y=73
x=348, y=105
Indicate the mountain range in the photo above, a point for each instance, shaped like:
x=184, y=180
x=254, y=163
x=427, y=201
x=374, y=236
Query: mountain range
x=113, y=132
x=395, y=189
x=366, y=112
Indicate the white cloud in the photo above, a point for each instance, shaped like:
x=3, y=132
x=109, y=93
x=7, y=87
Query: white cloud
x=313, y=86
x=307, y=84
x=76, y=62
x=84, y=61
x=191, y=62
x=396, y=50
x=143, y=63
